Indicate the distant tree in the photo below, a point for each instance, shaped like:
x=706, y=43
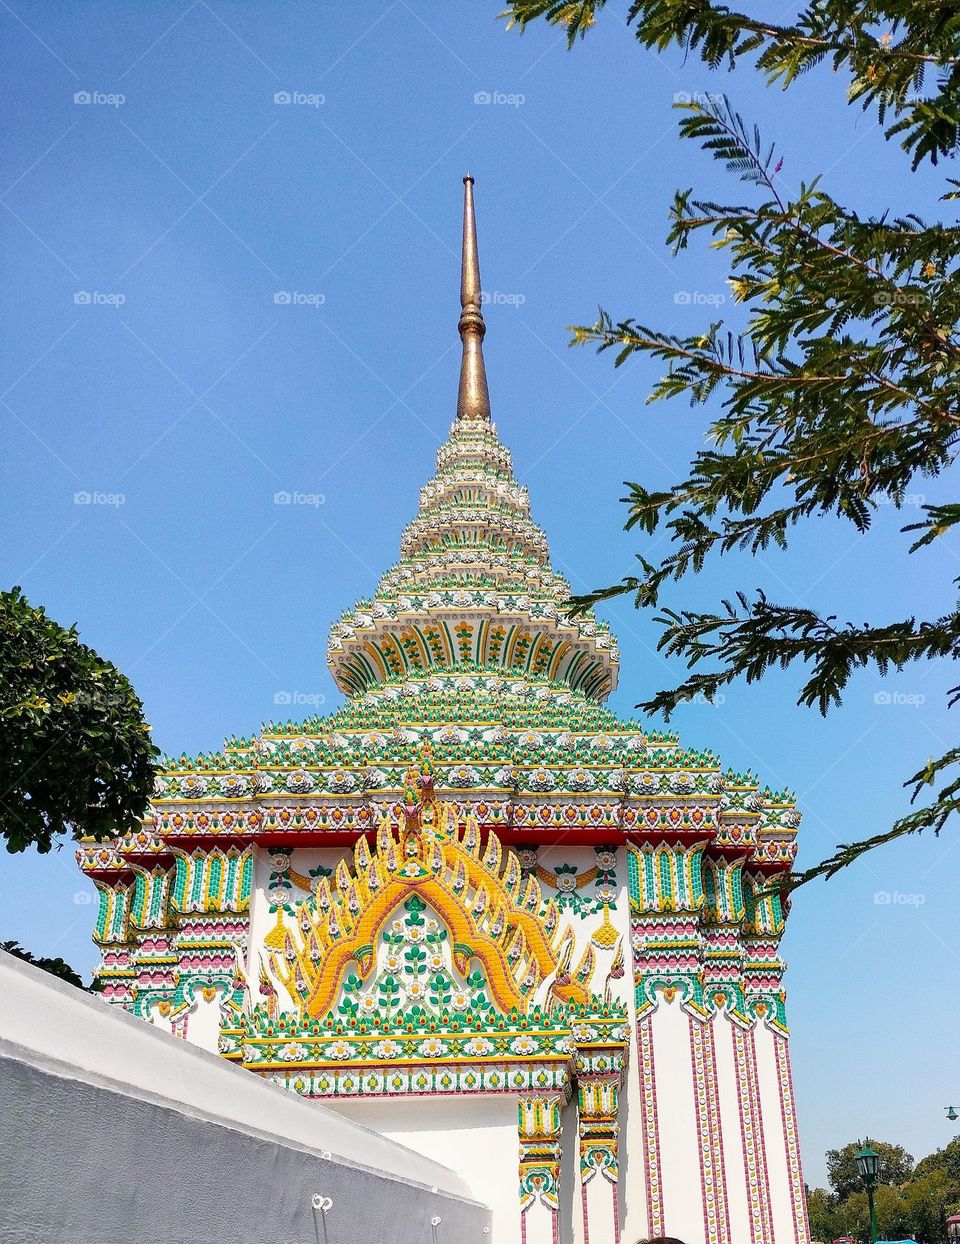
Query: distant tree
x=56, y=967
x=946, y=1159
x=841, y=391
x=895, y=1167
x=912, y=1202
x=825, y=1214
x=926, y=1202
x=75, y=751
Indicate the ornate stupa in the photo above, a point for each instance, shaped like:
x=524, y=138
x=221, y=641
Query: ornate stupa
x=476, y=910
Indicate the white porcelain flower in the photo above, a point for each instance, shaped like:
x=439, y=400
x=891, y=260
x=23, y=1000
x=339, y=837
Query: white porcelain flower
x=477, y=1047
x=338, y=1050
x=300, y=782
x=523, y=1045
x=292, y=1052
x=388, y=1049
x=341, y=781
x=433, y=1047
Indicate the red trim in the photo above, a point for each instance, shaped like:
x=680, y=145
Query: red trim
x=655, y=1220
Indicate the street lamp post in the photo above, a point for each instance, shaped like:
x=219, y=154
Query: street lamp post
x=952, y=1114
x=867, y=1162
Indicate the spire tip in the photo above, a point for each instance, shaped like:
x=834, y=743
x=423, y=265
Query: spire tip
x=473, y=400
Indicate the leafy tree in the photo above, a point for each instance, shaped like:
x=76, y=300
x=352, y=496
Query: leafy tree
x=844, y=387
x=825, y=1214
x=889, y=48
x=946, y=1159
x=894, y=1167
x=926, y=1202
x=56, y=967
x=75, y=751
x=912, y=1202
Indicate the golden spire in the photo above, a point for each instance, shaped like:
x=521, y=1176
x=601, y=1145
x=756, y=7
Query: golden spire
x=473, y=400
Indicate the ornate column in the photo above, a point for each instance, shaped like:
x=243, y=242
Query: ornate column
x=597, y=1102
x=539, y=1124
x=666, y=898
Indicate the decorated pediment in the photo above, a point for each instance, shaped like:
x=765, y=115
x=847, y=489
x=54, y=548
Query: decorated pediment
x=433, y=948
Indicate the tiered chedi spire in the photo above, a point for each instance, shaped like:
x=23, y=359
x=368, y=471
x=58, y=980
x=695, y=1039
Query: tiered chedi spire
x=473, y=592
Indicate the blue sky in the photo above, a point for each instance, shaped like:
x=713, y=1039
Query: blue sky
x=149, y=363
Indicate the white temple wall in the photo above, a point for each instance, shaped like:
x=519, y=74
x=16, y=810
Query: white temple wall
x=571, y=1213
x=734, y=1158
x=681, y=1166
x=475, y=1137
x=783, y=1162
x=769, y=1097
x=202, y=1024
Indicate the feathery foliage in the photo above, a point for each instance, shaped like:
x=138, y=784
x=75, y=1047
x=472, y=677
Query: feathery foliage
x=901, y=56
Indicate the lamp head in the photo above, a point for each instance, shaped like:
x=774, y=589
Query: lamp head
x=868, y=1161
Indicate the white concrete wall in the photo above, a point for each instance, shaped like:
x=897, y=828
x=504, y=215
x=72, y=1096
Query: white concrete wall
x=46, y=1022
